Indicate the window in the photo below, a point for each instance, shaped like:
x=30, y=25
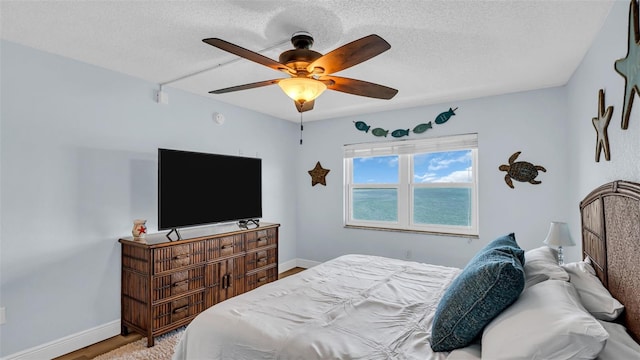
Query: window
x=425, y=185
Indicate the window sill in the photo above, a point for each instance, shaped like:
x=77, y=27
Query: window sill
x=466, y=236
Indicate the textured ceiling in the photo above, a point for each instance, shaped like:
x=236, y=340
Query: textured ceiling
x=441, y=51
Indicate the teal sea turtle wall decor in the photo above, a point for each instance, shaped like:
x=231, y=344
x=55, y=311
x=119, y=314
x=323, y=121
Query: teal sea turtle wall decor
x=521, y=171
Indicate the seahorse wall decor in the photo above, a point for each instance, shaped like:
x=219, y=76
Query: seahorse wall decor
x=442, y=118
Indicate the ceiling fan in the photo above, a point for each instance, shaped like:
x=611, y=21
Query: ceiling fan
x=310, y=72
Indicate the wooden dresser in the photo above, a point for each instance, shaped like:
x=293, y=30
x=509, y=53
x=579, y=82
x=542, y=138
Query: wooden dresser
x=165, y=283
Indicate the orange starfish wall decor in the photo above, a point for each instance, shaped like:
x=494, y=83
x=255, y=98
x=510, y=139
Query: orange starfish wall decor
x=318, y=175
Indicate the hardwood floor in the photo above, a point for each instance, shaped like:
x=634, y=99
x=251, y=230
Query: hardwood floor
x=115, y=342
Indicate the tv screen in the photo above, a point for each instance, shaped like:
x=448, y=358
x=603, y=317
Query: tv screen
x=199, y=188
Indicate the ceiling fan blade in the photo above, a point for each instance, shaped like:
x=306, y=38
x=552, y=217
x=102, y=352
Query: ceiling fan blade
x=245, y=86
x=306, y=106
x=358, y=87
x=248, y=54
x=350, y=54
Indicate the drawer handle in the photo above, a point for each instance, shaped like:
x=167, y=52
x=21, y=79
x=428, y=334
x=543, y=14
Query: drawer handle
x=226, y=281
x=262, y=279
x=181, y=256
x=181, y=309
x=262, y=238
x=264, y=259
x=227, y=246
x=180, y=283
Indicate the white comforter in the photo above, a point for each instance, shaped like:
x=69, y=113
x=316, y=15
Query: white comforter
x=351, y=307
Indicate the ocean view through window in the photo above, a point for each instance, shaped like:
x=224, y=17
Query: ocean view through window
x=427, y=185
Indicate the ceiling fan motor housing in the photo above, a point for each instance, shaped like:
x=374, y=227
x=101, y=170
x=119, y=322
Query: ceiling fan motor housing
x=299, y=58
x=302, y=40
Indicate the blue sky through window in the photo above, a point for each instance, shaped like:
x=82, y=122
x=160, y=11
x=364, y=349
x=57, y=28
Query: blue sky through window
x=447, y=166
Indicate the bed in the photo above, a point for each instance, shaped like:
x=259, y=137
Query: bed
x=370, y=307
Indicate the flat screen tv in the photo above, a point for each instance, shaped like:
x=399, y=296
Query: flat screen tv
x=199, y=188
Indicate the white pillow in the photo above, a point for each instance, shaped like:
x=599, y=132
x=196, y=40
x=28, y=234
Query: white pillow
x=620, y=345
x=546, y=322
x=541, y=264
x=466, y=353
x=595, y=297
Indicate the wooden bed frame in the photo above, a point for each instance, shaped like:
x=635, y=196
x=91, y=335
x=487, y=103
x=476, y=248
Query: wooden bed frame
x=611, y=239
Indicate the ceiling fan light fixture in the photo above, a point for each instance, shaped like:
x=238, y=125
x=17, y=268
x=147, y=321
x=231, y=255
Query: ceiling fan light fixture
x=302, y=89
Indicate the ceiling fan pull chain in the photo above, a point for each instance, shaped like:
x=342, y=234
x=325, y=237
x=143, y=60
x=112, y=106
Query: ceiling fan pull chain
x=301, y=128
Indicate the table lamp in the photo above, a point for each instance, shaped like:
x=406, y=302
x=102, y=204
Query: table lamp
x=559, y=236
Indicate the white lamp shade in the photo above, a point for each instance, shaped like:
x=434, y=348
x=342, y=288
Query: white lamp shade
x=559, y=235
x=302, y=89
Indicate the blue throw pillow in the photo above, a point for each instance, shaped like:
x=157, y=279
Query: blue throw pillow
x=490, y=282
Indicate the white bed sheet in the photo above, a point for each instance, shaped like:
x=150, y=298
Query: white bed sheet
x=351, y=307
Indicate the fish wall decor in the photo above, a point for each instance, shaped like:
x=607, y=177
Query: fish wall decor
x=419, y=129
x=400, y=133
x=380, y=132
x=442, y=118
x=362, y=126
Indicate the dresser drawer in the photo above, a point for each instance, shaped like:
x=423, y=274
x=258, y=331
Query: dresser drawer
x=178, y=283
x=178, y=256
x=261, y=258
x=224, y=246
x=261, y=238
x=173, y=311
x=261, y=277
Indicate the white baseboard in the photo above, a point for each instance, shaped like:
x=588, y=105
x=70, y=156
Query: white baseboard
x=91, y=336
x=307, y=263
x=69, y=343
x=282, y=267
x=296, y=263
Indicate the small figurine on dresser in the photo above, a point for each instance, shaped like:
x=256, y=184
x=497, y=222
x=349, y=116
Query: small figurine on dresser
x=139, y=229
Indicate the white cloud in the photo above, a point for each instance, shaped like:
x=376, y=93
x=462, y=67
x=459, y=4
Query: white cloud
x=385, y=160
x=453, y=177
x=457, y=176
x=441, y=163
x=426, y=178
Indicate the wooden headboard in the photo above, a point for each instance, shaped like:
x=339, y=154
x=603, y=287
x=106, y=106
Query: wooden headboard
x=611, y=238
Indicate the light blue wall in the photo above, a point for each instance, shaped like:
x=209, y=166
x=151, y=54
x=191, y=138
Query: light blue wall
x=79, y=163
x=552, y=128
x=531, y=122
x=597, y=72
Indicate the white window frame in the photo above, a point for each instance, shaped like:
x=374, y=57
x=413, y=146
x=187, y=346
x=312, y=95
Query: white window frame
x=405, y=149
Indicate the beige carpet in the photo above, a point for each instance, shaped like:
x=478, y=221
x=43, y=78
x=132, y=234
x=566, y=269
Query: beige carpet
x=162, y=350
